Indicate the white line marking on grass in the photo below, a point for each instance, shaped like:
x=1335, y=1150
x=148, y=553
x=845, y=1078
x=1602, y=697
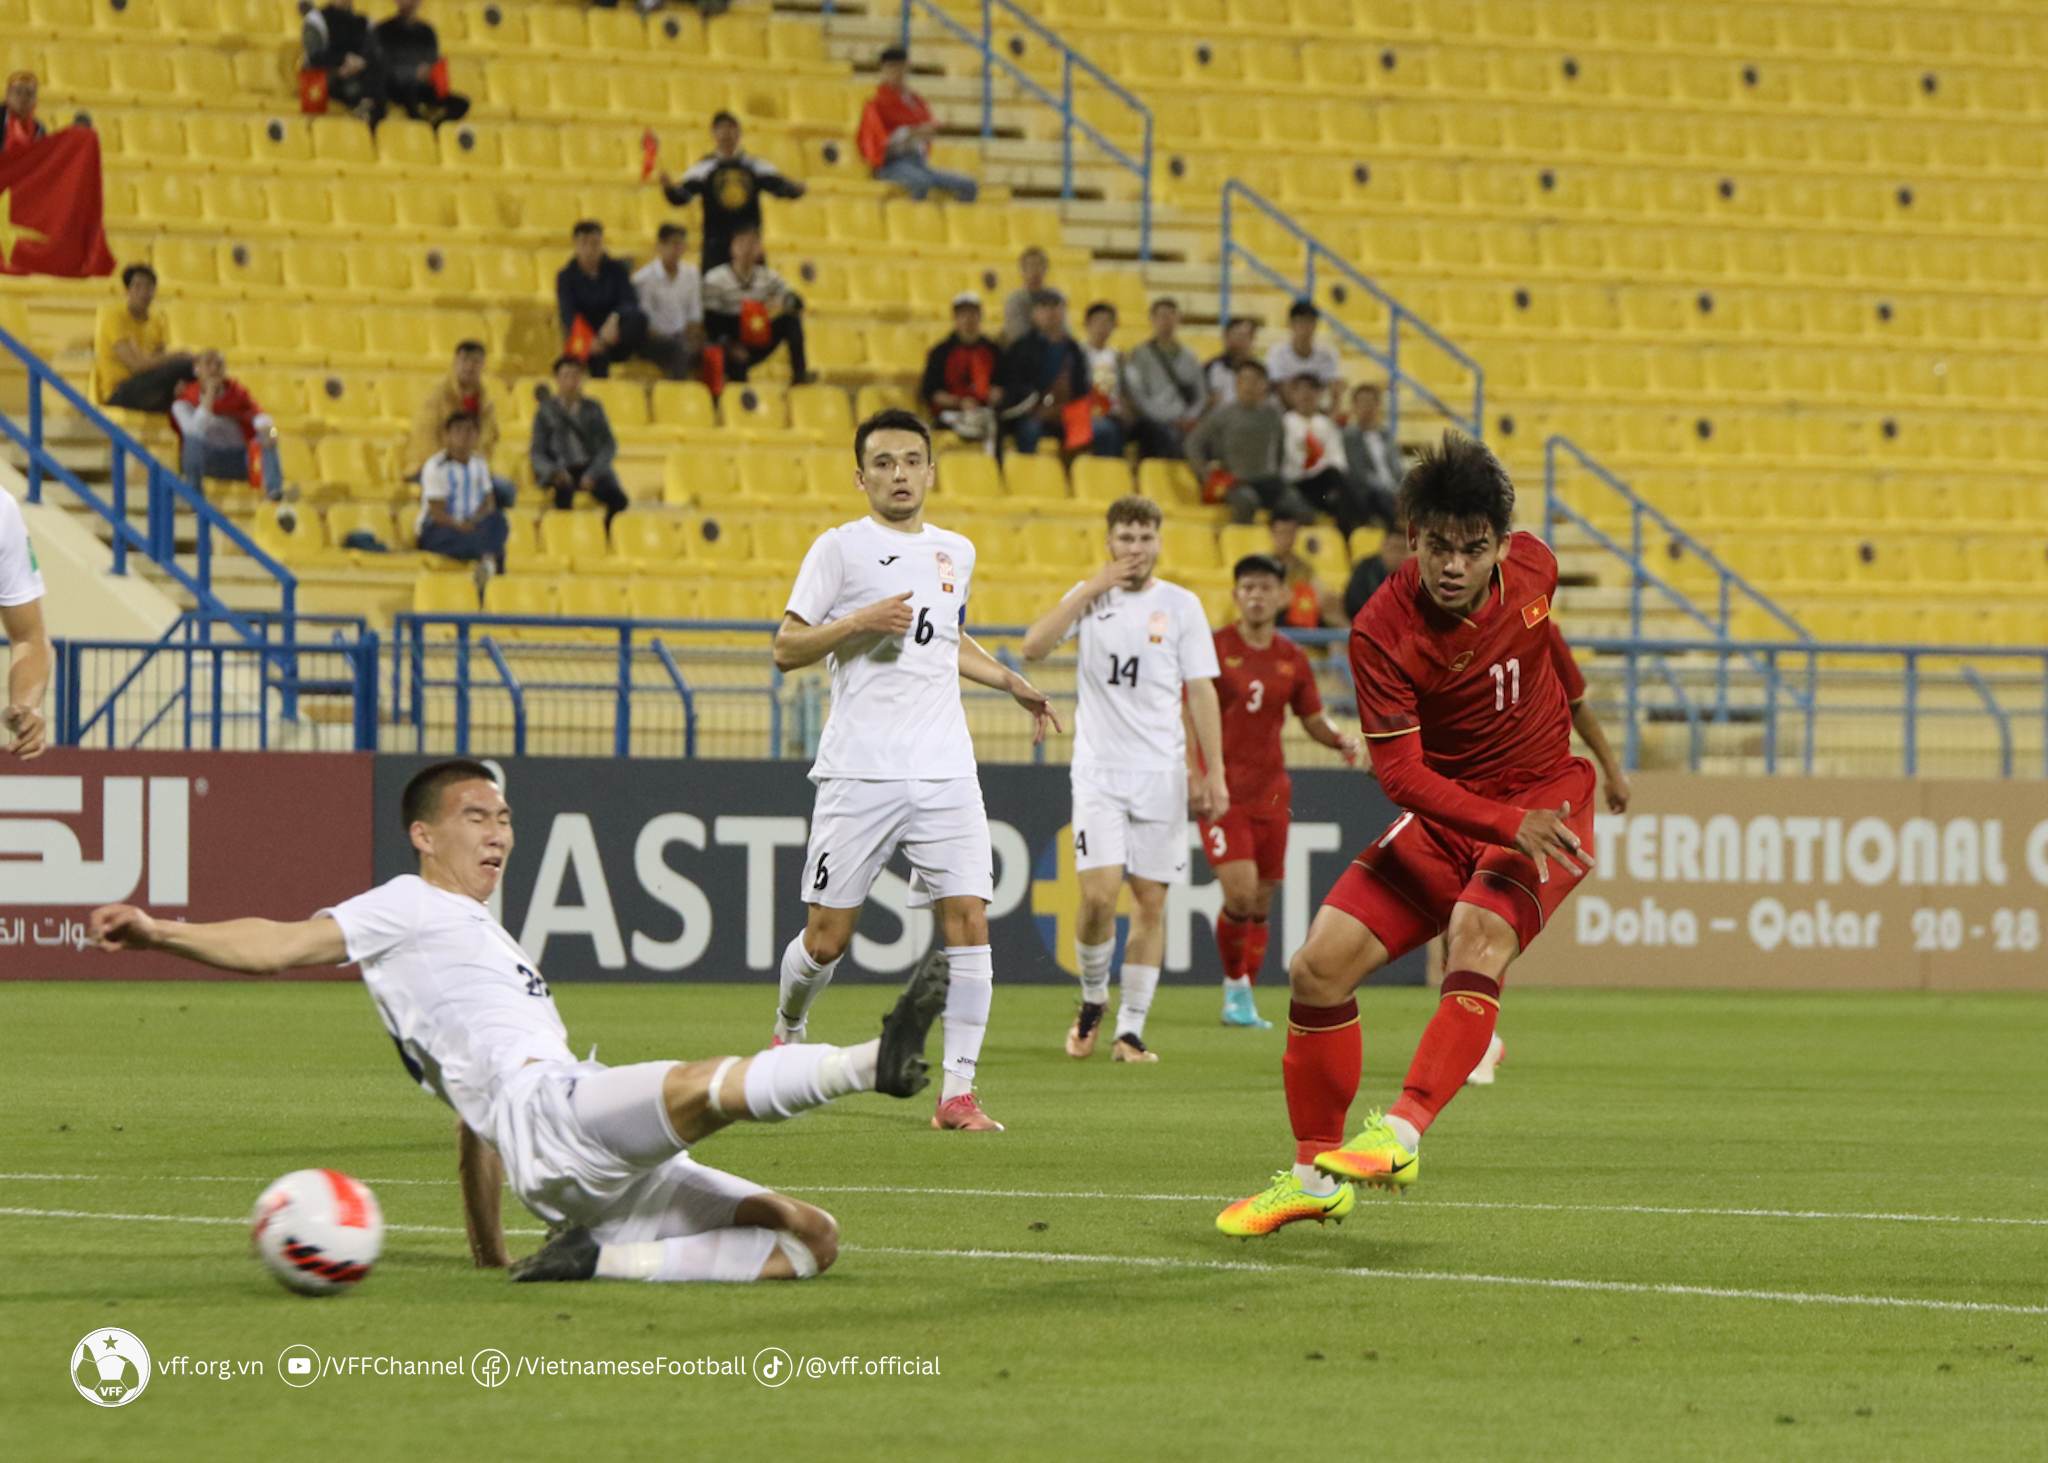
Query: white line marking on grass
x=1248, y=1267
x=1679, y=1211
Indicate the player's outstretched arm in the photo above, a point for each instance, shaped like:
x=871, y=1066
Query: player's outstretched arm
x=1321, y=729
x=28, y=676
x=1587, y=725
x=483, y=1181
x=978, y=666
x=798, y=643
x=251, y=946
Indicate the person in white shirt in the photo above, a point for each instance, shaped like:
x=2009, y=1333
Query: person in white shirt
x=884, y=599
x=459, y=513
x=1143, y=643
x=602, y=1151
x=672, y=297
x=1312, y=458
x=1301, y=354
x=1111, y=408
x=750, y=311
x=29, y=653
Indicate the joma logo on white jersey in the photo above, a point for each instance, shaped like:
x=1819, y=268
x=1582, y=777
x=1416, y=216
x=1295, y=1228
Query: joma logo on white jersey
x=42, y=861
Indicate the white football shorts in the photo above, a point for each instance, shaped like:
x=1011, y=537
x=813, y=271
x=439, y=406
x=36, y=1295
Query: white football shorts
x=858, y=825
x=592, y=1145
x=1136, y=819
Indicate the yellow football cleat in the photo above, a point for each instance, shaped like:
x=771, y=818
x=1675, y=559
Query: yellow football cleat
x=1375, y=1157
x=1284, y=1201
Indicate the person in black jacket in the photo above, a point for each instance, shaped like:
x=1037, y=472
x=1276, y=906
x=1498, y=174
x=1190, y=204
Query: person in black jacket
x=341, y=43
x=731, y=183
x=960, y=389
x=411, y=50
x=1043, y=371
x=598, y=289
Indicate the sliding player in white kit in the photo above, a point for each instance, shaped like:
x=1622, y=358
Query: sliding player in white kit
x=885, y=598
x=1142, y=640
x=603, y=1153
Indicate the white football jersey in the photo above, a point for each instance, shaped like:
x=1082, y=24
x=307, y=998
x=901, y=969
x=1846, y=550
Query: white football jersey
x=21, y=580
x=1136, y=652
x=464, y=1004
x=896, y=709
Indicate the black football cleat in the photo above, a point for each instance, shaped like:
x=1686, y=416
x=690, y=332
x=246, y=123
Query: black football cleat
x=569, y=1254
x=900, y=1067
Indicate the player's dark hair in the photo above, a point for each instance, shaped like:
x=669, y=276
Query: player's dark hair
x=470, y=348
x=133, y=272
x=421, y=801
x=1458, y=481
x=893, y=53
x=1100, y=307
x=893, y=419
x=670, y=231
x=586, y=226
x=1304, y=309
x=1135, y=508
x=1258, y=564
x=718, y=117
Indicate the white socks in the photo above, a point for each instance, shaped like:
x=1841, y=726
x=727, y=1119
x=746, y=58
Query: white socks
x=802, y=979
x=1094, y=961
x=1139, y=982
x=971, y=970
x=1237, y=982
x=1407, y=1132
x=720, y=1254
x=787, y=1080
x=1313, y=1181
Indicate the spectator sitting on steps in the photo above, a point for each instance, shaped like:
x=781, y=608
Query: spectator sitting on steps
x=573, y=446
x=1302, y=354
x=751, y=311
x=599, y=308
x=416, y=77
x=341, y=43
x=1220, y=375
x=672, y=297
x=1032, y=265
x=731, y=183
x=1236, y=453
x=896, y=132
x=21, y=127
x=132, y=367
x=1164, y=382
x=463, y=389
x=224, y=432
x=959, y=387
x=459, y=513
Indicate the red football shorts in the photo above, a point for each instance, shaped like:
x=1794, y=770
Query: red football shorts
x=1244, y=834
x=1403, y=886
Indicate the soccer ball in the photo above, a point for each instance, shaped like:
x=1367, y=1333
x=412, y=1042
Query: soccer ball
x=317, y=1231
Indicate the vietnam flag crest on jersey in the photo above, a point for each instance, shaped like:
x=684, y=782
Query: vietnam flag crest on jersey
x=1536, y=611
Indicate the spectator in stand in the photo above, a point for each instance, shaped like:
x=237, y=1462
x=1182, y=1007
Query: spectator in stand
x=1307, y=606
x=1220, y=375
x=1372, y=454
x=573, y=447
x=415, y=76
x=1236, y=453
x=896, y=132
x=341, y=43
x=1373, y=570
x=1044, y=372
x=1313, y=463
x=1032, y=265
x=600, y=311
x=132, y=366
x=959, y=388
x=223, y=432
x=1164, y=382
x=731, y=183
x=672, y=298
x=750, y=310
x=459, y=513
x=461, y=390
x=1110, y=408
x=1301, y=354
x=21, y=127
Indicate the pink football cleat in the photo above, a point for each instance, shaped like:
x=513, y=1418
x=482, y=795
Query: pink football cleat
x=963, y=1114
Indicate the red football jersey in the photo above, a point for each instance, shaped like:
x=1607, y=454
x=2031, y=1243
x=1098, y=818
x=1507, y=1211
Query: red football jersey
x=1256, y=690
x=1487, y=692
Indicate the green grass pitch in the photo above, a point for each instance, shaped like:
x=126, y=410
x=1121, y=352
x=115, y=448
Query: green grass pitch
x=1681, y=1226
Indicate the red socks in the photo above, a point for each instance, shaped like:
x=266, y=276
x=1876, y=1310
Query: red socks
x=1325, y=1054
x=1242, y=944
x=1451, y=1047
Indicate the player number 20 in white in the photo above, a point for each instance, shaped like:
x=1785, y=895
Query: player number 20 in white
x=1507, y=683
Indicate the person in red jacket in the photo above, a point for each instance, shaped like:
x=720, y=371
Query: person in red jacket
x=1460, y=696
x=896, y=132
x=223, y=432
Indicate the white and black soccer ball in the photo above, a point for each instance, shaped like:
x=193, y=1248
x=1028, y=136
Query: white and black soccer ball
x=318, y=1231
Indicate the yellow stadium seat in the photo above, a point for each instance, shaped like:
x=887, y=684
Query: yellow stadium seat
x=1034, y=478
x=513, y=594
x=685, y=404
x=1055, y=543
x=665, y=598
x=444, y=594
x=755, y=407
x=1100, y=479
x=766, y=474
x=586, y=597
x=573, y=535
x=645, y=540
x=624, y=402
x=822, y=412
x=1188, y=546
x=1168, y=481
x=969, y=477
x=737, y=36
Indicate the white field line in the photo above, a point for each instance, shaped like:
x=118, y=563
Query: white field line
x=1665, y=1210
x=1247, y=1267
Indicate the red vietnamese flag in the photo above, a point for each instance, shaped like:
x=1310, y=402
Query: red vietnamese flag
x=581, y=339
x=437, y=78
x=312, y=91
x=50, y=203
x=650, y=154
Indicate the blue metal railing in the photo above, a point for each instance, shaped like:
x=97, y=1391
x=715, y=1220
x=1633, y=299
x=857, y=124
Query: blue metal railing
x=165, y=493
x=205, y=689
x=1318, y=261
x=1071, y=62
